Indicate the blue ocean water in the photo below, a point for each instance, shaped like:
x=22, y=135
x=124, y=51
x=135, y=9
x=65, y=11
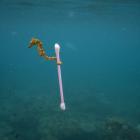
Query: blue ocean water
x=100, y=51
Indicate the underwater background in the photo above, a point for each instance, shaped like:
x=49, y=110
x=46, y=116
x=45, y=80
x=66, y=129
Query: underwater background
x=100, y=51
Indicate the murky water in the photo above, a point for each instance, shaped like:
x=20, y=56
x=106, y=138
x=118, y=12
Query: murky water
x=100, y=50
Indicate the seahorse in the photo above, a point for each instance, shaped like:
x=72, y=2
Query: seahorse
x=40, y=49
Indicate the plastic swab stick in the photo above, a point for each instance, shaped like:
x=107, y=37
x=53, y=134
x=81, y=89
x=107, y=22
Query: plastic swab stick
x=57, y=50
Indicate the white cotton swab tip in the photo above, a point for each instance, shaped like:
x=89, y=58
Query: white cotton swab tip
x=57, y=47
x=57, y=50
x=62, y=106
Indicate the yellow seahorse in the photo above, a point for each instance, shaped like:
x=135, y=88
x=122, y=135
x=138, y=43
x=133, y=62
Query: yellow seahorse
x=41, y=51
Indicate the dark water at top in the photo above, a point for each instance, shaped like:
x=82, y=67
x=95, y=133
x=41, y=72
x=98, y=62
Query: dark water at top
x=100, y=51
